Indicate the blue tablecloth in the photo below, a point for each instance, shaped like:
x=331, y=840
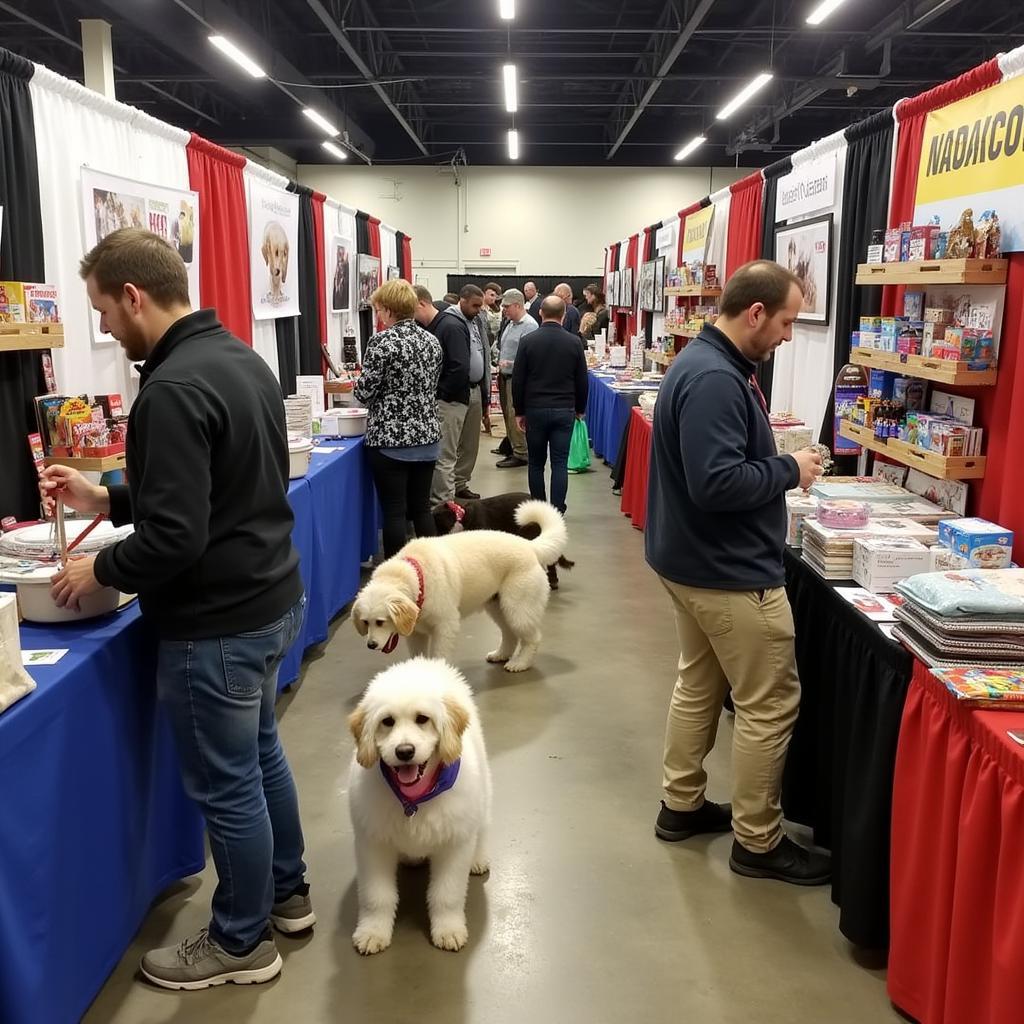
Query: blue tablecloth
x=94, y=822
x=607, y=415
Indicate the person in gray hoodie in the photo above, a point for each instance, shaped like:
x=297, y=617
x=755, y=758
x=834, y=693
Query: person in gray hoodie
x=470, y=309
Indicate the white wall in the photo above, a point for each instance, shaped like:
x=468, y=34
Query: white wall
x=535, y=220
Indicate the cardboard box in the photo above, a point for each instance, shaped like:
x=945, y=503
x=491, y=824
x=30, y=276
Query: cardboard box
x=892, y=246
x=922, y=242
x=881, y=383
x=913, y=305
x=879, y=563
x=944, y=560
x=985, y=545
x=904, y=246
x=41, y=305
x=12, y=302
x=870, y=323
x=938, y=315
x=876, y=254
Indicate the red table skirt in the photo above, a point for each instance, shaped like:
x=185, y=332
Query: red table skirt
x=957, y=861
x=638, y=467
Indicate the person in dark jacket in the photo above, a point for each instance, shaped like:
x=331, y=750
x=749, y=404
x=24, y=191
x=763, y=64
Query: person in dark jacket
x=213, y=564
x=533, y=300
x=716, y=529
x=549, y=393
x=571, y=323
x=452, y=389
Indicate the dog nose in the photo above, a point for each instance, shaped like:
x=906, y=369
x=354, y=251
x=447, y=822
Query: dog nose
x=405, y=751
x=372, y=644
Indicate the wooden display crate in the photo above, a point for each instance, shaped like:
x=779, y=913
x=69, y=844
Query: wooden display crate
x=944, y=371
x=921, y=273
x=26, y=337
x=941, y=466
x=681, y=332
x=694, y=290
x=87, y=465
x=661, y=358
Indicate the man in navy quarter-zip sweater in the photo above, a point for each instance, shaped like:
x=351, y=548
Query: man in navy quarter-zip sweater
x=716, y=527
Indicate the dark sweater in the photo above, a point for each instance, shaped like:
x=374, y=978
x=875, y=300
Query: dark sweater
x=572, y=320
x=207, y=465
x=453, y=333
x=716, y=510
x=550, y=371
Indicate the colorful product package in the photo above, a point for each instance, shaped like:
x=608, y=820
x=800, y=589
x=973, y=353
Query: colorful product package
x=12, y=302
x=913, y=305
x=41, y=305
x=985, y=545
x=892, y=245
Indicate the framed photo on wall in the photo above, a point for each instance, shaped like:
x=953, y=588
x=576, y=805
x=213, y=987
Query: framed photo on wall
x=648, y=275
x=659, y=285
x=626, y=293
x=806, y=249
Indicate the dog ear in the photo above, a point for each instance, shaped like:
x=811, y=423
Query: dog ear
x=403, y=614
x=366, y=749
x=284, y=263
x=265, y=251
x=456, y=719
x=362, y=628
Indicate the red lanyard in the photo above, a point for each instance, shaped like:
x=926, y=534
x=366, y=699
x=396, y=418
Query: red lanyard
x=759, y=393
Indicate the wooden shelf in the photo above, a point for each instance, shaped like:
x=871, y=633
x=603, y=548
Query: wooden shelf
x=681, y=332
x=944, y=371
x=660, y=358
x=86, y=465
x=695, y=290
x=941, y=466
x=26, y=337
x=922, y=273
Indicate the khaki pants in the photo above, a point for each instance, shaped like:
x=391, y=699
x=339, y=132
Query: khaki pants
x=469, y=439
x=516, y=437
x=742, y=639
x=452, y=416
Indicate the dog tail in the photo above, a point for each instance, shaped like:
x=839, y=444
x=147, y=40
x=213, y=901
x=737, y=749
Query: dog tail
x=553, y=534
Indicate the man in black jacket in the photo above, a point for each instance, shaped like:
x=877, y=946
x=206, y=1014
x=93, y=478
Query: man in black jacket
x=549, y=393
x=571, y=322
x=213, y=564
x=452, y=388
x=716, y=529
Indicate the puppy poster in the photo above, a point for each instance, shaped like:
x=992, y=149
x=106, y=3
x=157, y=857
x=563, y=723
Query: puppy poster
x=273, y=251
x=342, y=251
x=110, y=202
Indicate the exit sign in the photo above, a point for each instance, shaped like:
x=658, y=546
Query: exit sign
x=485, y=252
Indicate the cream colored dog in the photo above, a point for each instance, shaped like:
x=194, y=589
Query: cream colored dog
x=424, y=592
x=419, y=789
x=275, y=255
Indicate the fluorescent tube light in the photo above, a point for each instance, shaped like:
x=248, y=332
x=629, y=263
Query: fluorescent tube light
x=513, y=145
x=507, y=9
x=335, y=151
x=743, y=95
x=693, y=144
x=823, y=10
x=229, y=49
x=508, y=73
x=320, y=121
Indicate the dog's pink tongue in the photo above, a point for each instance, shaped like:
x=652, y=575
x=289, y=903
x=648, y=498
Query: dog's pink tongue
x=407, y=774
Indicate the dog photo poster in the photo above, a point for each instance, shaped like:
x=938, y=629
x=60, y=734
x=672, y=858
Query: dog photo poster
x=273, y=251
x=110, y=202
x=342, y=251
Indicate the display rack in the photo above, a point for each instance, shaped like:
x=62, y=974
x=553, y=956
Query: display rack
x=29, y=337
x=661, y=358
x=944, y=467
x=681, y=332
x=921, y=273
x=943, y=371
x=694, y=291
x=87, y=465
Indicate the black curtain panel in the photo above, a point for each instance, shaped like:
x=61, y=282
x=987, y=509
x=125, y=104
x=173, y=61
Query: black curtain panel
x=21, y=259
x=287, y=328
x=310, y=356
x=403, y=269
x=865, y=209
x=772, y=173
x=363, y=246
x=650, y=251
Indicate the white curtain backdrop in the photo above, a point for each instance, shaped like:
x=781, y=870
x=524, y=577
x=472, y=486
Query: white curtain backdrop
x=339, y=220
x=388, y=250
x=803, y=369
x=668, y=249
x=74, y=127
x=718, y=237
x=1012, y=64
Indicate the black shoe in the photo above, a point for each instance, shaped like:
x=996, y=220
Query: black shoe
x=788, y=862
x=674, y=826
x=497, y=451
x=728, y=704
x=466, y=494
x=512, y=462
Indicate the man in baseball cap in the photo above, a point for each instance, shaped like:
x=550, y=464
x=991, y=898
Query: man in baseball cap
x=516, y=326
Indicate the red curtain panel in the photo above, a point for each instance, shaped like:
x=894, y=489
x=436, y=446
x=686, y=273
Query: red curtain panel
x=744, y=237
x=321, y=265
x=373, y=227
x=407, y=258
x=632, y=255
x=216, y=174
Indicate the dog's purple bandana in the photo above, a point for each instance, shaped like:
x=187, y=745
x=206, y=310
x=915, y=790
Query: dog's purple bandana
x=445, y=780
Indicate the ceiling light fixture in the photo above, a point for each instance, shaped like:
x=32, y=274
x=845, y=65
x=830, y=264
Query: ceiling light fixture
x=513, y=144
x=229, y=49
x=511, y=92
x=320, y=121
x=693, y=144
x=823, y=10
x=743, y=95
x=335, y=151
x=507, y=9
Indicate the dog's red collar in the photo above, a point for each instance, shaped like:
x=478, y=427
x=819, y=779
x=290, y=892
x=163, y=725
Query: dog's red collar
x=392, y=643
x=456, y=510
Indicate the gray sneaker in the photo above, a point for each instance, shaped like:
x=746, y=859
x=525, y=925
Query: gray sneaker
x=294, y=914
x=198, y=962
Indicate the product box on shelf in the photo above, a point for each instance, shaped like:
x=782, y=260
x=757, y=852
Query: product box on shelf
x=938, y=315
x=880, y=383
x=876, y=254
x=913, y=305
x=41, y=305
x=922, y=242
x=944, y=560
x=940, y=246
x=870, y=323
x=985, y=545
x=905, y=245
x=892, y=245
x=977, y=348
x=879, y=563
x=12, y=302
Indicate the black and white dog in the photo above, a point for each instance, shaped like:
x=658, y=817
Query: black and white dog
x=497, y=513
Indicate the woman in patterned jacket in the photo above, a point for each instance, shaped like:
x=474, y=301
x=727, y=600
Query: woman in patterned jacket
x=398, y=386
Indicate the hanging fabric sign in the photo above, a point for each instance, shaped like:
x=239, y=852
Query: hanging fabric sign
x=696, y=229
x=273, y=251
x=972, y=157
x=666, y=235
x=807, y=188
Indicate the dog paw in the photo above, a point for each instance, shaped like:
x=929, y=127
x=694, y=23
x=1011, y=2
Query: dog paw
x=517, y=665
x=450, y=936
x=498, y=657
x=480, y=867
x=369, y=940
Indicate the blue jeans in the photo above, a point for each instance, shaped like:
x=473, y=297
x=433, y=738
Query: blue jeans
x=549, y=427
x=219, y=695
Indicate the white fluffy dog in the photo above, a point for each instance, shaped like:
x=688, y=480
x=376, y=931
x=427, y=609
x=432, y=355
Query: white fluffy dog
x=420, y=788
x=426, y=589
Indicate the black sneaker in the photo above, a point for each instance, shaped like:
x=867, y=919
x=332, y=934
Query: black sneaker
x=511, y=462
x=674, y=826
x=788, y=862
x=466, y=495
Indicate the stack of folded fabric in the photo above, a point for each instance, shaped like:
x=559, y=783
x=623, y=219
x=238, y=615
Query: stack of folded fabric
x=963, y=617
x=829, y=551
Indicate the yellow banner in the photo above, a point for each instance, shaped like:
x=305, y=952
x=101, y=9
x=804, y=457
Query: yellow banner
x=974, y=146
x=696, y=231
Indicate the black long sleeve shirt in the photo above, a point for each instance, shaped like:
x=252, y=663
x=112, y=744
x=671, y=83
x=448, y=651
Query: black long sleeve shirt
x=550, y=371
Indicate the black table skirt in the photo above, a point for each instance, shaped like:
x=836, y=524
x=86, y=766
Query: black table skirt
x=839, y=773
x=619, y=465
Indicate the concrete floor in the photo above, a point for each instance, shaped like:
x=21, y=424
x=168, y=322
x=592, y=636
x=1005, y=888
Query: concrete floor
x=585, y=918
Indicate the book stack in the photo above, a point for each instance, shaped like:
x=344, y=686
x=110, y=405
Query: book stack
x=801, y=506
x=983, y=687
x=829, y=551
x=968, y=616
